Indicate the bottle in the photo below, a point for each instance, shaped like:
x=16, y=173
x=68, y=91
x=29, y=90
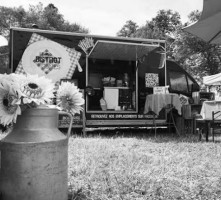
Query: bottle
x=126, y=80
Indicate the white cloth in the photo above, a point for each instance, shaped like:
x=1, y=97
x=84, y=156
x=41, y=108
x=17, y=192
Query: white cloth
x=212, y=80
x=156, y=102
x=111, y=96
x=208, y=107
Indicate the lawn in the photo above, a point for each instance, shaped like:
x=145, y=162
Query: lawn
x=144, y=167
x=141, y=167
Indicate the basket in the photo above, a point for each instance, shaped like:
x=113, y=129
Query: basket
x=109, y=82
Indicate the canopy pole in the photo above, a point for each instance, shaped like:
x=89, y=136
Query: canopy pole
x=164, y=62
x=165, y=58
x=136, y=59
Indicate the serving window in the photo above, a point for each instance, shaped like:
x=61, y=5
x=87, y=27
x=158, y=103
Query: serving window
x=112, y=73
x=114, y=85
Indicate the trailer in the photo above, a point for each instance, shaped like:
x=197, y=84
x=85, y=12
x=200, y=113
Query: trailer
x=115, y=74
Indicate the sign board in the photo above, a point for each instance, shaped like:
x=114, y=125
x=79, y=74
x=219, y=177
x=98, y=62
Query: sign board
x=48, y=58
x=151, y=80
x=160, y=90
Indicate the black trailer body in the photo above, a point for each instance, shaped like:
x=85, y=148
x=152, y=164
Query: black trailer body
x=115, y=74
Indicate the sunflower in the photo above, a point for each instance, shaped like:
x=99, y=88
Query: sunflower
x=9, y=110
x=35, y=89
x=69, y=98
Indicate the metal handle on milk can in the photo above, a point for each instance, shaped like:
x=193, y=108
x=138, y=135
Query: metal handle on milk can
x=71, y=121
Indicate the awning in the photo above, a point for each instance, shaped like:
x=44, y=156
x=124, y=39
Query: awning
x=208, y=27
x=212, y=80
x=120, y=50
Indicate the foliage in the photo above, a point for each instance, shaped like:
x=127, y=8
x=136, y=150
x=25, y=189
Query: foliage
x=167, y=21
x=194, y=16
x=149, y=31
x=128, y=30
x=10, y=17
x=160, y=27
x=48, y=18
x=163, y=26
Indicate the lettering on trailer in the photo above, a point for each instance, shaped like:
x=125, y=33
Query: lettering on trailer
x=119, y=116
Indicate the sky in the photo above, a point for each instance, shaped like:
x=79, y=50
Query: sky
x=107, y=17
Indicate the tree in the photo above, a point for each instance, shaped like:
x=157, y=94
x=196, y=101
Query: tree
x=128, y=30
x=48, y=18
x=194, y=16
x=164, y=26
x=167, y=21
x=160, y=27
x=10, y=17
x=149, y=31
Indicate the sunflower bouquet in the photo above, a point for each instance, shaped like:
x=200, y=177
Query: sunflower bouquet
x=19, y=92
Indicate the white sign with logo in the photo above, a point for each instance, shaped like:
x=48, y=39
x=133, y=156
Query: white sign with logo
x=160, y=90
x=46, y=58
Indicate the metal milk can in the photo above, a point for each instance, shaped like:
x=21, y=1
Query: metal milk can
x=34, y=158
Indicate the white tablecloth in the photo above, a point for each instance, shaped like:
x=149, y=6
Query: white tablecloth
x=208, y=107
x=155, y=102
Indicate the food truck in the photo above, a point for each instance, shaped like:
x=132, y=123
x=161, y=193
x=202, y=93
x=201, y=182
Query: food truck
x=115, y=74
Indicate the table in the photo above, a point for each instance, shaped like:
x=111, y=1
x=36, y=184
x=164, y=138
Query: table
x=206, y=112
x=156, y=102
x=208, y=107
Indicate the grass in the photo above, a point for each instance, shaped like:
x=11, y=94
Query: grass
x=139, y=166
